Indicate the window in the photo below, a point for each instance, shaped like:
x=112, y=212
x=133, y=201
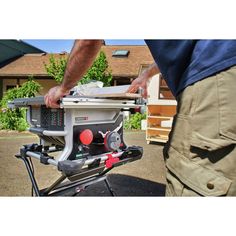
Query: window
x=120, y=53
x=142, y=68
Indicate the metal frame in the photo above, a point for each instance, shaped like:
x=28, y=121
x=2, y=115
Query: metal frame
x=58, y=188
x=77, y=181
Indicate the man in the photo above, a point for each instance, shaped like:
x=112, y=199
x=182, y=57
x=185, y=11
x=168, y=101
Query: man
x=200, y=155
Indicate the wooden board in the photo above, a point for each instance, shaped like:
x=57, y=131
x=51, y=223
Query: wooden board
x=118, y=95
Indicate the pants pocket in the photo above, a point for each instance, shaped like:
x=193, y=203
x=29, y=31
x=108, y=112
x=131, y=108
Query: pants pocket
x=175, y=187
x=200, y=179
x=210, y=144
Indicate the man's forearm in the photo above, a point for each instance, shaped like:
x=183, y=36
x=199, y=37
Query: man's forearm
x=80, y=60
x=151, y=71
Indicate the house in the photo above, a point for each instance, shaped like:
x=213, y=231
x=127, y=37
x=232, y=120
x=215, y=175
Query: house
x=32, y=64
x=125, y=62
x=10, y=50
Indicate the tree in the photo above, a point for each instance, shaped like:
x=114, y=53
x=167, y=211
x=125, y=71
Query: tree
x=99, y=71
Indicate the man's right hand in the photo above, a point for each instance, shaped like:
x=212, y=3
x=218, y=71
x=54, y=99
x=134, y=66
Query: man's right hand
x=80, y=60
x=54, y=95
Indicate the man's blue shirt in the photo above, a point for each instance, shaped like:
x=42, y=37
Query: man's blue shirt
x=184, y=62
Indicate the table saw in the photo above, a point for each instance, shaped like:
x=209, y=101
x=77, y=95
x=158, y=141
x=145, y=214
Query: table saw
x=85, y=135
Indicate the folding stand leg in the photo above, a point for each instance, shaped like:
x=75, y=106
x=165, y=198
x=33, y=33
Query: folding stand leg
x=31, y=175
x=53, y=186
x=109, y=188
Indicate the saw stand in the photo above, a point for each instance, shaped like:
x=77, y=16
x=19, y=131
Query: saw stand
x=68, y=188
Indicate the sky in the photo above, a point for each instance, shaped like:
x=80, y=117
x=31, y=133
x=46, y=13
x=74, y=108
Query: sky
x=55, y=46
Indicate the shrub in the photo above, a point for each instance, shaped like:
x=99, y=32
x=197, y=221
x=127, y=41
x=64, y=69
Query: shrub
x=15, y=119
x=134, y=122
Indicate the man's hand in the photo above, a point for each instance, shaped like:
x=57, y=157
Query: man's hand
x=54, y=95
x=140, y=82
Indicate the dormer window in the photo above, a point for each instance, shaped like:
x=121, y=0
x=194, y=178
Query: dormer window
x=120, y=53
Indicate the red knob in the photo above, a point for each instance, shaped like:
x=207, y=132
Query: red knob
x=86, y=137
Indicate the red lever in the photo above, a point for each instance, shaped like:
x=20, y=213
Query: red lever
x=111, y=160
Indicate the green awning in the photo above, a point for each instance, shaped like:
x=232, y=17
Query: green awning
x=10, y=49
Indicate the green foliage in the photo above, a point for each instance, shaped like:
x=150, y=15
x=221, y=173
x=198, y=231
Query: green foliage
x=56, y=68
x=134, y=121
x=28, y=89
x=99, y=70
x=15, y=119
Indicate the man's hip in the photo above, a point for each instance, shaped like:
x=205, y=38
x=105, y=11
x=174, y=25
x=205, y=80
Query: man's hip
x=200, y=154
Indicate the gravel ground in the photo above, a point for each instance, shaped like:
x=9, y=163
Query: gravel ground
x=145, y=177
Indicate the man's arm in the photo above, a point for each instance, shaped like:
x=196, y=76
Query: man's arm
x=141, y=81
x=80, y=60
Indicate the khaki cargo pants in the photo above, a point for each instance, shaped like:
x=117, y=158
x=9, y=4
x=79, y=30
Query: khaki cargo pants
x=200, y=155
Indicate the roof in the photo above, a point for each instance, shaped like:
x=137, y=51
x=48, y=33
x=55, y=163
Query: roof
x=33, y=64
x=128, y=66
x=28, y=64
x=11, y=49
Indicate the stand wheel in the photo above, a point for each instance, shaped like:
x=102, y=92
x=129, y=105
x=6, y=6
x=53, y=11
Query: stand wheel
x=148, y=142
